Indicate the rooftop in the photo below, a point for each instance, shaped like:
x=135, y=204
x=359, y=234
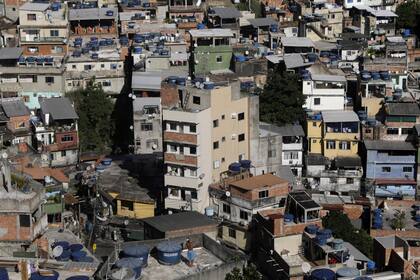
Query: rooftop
x=15, y=108
x=257, y=182
x=225, y=12
x=267, y=129
x=403, y=109
x=295, y=60
x=150, y=81
x=93, y=14
x=260, y=22
x=10, y=53
x=32, y=6
x=297, y=42
x=59, y=108
x=328, y=78
x=388, y=145
x=346, y=162
x=339, y=116
x=179, y=221
x=304, y=200
x=391, y=207
x=216, y=32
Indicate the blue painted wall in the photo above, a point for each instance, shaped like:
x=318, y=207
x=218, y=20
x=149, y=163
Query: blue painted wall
x=31, y=98
x=375, y=161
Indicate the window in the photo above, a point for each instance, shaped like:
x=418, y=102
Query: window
x=20, y=125
x=407, y=169
x=67, y=138
x=172, y=126
x=386, y=169
x=152, y=143
x=263, y=194
x=216, y=164
x=272, y=153
x=102, y=65
x=223, y=139
x=174, y=192
x=193, y=150
x=219, y=59
x=49, y=80
x=223, y=117
x=344, y=145
x=146, y=127
x=172, y=148
x=333, y=180
x=193, y=128
x=406, y=131
x=241, y=137
x=194, y=195
x=24, y=221
x=330, y=145
x=314, y=124
x=63, y=153
x=313, y=140
x=106, y=83
x=33, y=49
x=87, y=67
x=127, y=205
x=57, y=49
x=317, y=101
x=241, y=116
x=232, y=233
x=54, y=33
x=291, y=155
x=215, y=145
x=196, y=100
x=243, y=215
x=392, y=131
x=223, y=159
x=349, y=180
x=31, y=17
x=215, y=123
x=226, y=208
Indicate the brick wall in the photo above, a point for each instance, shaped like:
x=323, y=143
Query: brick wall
x=44, y=49
x=387, y=232
x=66, y=144
x=169, y=95
x=14, y=122
x=10, y=223
x=183, y=159
x=180, y=137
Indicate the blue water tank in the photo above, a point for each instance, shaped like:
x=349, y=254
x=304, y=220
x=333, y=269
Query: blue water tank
x=37, y=276
x=347, y=272
x=102, y=43
x=288, y=218
x=124, y=40
x=77, y=53
x=235, y=167
x=417, y=218
x=169, y=253
x=208, y=85
x=181, y=81
x=76, y=256
x=64, y=244
x=201, y=26
x=109, y=13
x=95, y=56
x=65, y=256
x=311, y=229
x=109, y=41
x=371, y=265
x=366, y=76
x=76, y=247
x=407, y=32
x=385, y=75
x=327, y=233
x=30, y=59
x=4, y=275
x=337, y=244
x=240, y=58
x=172, y=80
x=79, y=277
x=134, y=263
x=106, y=161
x=323, y=274
x=55, y=6
x=245, y=163
x=209, y=211
x=321, y=240
x=137, y=251
x=138, y=50
x=94, y=39
x=49, y=59
x=312, y=57
x=274, y=28
x=375, y=75
x=100, y=168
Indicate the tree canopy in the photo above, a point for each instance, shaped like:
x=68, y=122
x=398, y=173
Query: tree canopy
x=282, y=99
x=342, y=228
x=409, y=15
x=96, y=125
x=248, y=273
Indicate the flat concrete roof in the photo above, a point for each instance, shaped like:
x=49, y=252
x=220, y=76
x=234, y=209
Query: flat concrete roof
x=216, y=32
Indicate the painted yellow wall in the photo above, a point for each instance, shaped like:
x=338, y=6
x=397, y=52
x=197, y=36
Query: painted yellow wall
x=140, y=210
x=313, y=128
x=240, y=240
x=230, y=149
x=333, y=153
x=315, y=146
x=113, y=194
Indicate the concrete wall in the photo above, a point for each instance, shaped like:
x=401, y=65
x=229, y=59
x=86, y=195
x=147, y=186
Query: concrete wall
x=374, y=165
x=290, y=243
x=204, y=63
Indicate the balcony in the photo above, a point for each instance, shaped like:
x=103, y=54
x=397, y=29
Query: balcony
x=176, y=203
x=335, y=173
x=24, y=39
x=180, y=137
x=179, y=181
x=292, y=147
x=180, y=159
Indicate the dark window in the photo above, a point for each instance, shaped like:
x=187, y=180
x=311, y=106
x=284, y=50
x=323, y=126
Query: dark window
x=331, y=145
x=54, y=33
x=49, y=80
x=193, y=128
x=314, y=124
x=67, y=138
x=63, y=153
x=407, y=169
x=241, y=137
x=263, y=194
x=243, y=215
x=193, y=150
x=406, y=131
x=393, y=131
x=215, y=123
x=344, y=145
x=216, y=145
x=127, y=205
x=146, y=127
x=350, y=181
x=194, y=195
x=241, y=116
x=386, y=169
x=317, y=101
x=223, y=117
x=24, y=220
x=196, y=100
x=219, y=59
x=172, y=126
x=87, y=67
x=232, y=233
x=282, y=202
x=226, y=208
x=31, y=17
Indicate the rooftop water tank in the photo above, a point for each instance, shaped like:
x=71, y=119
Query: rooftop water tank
x=375, y=75
x=78, y=255
x=64, y=244
x=134, y=263
x=385, y=75
x=311, y=229
x=102, y=43
x=76, y=247
x=235, y=167
x=366, y=76
x=79, y=277
x=94, y=39
x=109, y=41
x=123, y=273
x=371, y=265
x=323, y=274
x=95, y=56
x=4, y=275
x=347, y=272
x=124, y=40
x=169, y=253
x=30, y=59
x=172, y=80
x=245, y=163
x=181, y=81
x=407, y=32
x=321, y=240
x=417, y=218
x=240, y=58
x=209, y=211
x=288, y=218
x=100, y=168
x=37, y=276
x=337, y=244
x=49, y=59
x=55, y=6
x=109, y=13
x=137, y=251
x=208, y=85
x=312, y=57
x=327, y=233
x=65, y=256
x=106, y=161
x=201, y=26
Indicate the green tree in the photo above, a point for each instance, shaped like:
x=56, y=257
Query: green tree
x=409, y=15
x=96, y=125
x=281, y=100
x=342, y=228
x=398, y=222
x=248, y=273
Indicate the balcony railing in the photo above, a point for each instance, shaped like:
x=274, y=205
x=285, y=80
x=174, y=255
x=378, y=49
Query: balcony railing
x=336, y=173
x=41, y=39
x=181, y=181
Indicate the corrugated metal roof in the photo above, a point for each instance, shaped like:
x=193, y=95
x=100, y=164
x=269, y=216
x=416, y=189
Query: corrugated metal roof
x=146, y=80
x=59, y=108
x=403, y=109
x=295, y=60
x=388, y=145
x=93, y=13
x=226, y=12
x=259, y=22
x=339, y=116
x=15, y=108
x=10, y=53
x=297, y=42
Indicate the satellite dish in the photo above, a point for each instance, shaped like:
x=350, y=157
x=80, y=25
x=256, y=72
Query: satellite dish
x=306, y=267
x=197, y=84
x=57, y=251
x=4, y=155
x=154, y=146
x=130, y=95
x=227, y=193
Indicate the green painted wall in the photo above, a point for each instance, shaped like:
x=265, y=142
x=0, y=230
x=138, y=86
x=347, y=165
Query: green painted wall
x=207, y=58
